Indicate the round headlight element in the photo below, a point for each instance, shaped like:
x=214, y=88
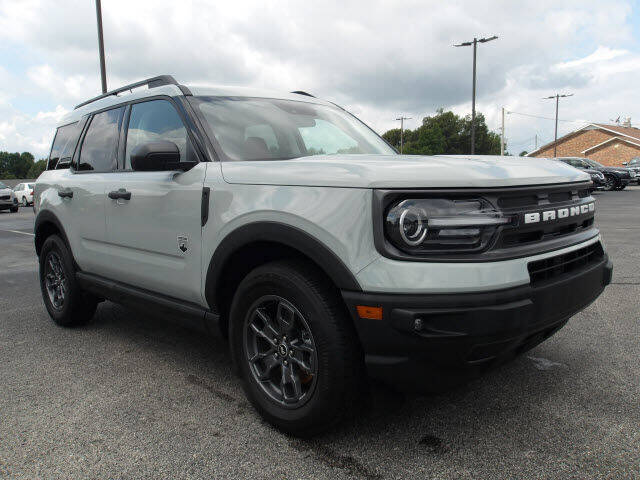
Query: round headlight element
x=412, y=225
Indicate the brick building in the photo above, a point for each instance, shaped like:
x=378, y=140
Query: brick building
x=608, y=144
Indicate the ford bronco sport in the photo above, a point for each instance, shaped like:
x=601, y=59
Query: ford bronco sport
x=287, y=224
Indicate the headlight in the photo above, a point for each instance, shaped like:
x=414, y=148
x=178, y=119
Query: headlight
x=440, y=225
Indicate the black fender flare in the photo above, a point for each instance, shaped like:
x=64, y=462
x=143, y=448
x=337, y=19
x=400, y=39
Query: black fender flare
x=279, y=233
x=47, y=216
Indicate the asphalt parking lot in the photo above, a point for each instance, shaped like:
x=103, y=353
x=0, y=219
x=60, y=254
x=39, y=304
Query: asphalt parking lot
x=130, y=396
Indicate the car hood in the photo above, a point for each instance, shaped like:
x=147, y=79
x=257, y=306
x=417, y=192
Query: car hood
x=5, y=191
x=402, y=171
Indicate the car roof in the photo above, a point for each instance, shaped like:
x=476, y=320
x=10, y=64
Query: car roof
x=174, y=90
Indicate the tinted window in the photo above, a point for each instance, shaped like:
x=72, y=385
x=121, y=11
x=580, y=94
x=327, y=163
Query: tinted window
x=100, y=142
x=155, y=121
x=64, y=144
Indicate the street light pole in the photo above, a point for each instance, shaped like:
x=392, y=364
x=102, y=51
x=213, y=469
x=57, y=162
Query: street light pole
x=555, y=136
x=473, y=90
x=402, y=119
x=103, y=74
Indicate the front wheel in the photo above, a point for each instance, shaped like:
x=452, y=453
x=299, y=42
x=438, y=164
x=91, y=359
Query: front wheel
x=13, y=209
x=610, y=182
x=24, y=202
x=295, y=348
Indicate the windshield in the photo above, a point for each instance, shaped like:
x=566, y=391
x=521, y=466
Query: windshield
x=31, y=185
x=593, y=163
x=272, y=129
x=2, y=185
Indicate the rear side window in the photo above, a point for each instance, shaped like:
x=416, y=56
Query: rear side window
x=153, y=121
x=98, y=152
x=63, y=146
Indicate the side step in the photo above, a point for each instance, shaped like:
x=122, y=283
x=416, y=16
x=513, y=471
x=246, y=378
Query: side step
x=189, y=314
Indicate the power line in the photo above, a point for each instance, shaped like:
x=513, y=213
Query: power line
x=560, y=119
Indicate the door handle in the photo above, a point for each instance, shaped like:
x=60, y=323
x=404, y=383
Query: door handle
x=65, y=193
x=120, y=194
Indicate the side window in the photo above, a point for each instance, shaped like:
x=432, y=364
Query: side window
x=576, y=163
x=64, y=143
x=325, y=138
x=153, y=121
x=100, y=143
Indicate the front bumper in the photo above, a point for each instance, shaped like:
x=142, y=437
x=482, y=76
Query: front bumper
x=434, y=341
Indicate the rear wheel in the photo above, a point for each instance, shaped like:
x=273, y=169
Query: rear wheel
x=13, y=209
x=65, y=301
x=295, y=348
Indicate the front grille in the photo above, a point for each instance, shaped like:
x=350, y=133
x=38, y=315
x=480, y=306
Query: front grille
x=540, y=200
x=5, y=197
x=552, y=267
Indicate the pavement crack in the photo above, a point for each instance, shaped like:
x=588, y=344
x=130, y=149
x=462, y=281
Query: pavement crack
x=331, y=458
x=194, y=380
x=434, y=444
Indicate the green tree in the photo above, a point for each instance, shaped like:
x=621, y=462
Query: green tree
x=523, y=153
x=15, y=165
x=393, y=137
x=37, y=168
x=446, y=133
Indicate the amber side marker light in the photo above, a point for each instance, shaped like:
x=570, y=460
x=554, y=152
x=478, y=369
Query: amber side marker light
x=371, y=313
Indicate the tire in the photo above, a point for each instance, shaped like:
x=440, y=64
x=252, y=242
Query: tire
x=328, y=389
x=24, y=202
x=13, y=209
x=57, y=276
x=611, y=183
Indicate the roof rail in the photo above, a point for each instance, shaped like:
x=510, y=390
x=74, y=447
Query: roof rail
x=300, y=92
x=152, y=82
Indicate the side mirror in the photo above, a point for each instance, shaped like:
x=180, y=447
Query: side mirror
x=158, y=156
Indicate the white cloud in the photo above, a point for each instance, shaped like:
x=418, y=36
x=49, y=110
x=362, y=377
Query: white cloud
x=377, y=58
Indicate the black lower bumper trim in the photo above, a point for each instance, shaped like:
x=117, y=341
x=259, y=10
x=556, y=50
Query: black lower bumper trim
x=423, y=339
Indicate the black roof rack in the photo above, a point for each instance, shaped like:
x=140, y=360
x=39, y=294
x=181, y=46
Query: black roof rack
x=300, y=92
x=152, y=82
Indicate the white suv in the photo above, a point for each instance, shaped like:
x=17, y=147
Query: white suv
x=24, y=193
x=290, y=226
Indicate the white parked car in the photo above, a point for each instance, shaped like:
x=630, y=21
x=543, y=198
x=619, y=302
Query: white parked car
x=288, y=225
x=24, y=193
x=7, y=199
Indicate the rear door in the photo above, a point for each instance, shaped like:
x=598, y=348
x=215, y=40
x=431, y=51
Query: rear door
x=94, y=162
x=155, y=235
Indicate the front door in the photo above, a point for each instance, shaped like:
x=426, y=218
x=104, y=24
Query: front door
x=155, y=233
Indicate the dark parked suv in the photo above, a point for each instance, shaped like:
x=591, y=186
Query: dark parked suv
x=616, y=178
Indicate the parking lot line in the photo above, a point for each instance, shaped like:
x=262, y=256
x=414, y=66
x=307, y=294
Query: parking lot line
x=18, y=231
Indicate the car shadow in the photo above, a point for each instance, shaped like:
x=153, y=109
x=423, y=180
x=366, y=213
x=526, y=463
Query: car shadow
x=433, y=424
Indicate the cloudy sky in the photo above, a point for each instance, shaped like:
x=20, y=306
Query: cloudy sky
x=378, y=59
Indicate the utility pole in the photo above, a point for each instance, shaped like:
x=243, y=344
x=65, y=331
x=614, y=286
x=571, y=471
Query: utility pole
x=536, y=141
x=402, y=119
x=557, y=96
x=502, y=135
x=473, y=90
x=103, y=73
